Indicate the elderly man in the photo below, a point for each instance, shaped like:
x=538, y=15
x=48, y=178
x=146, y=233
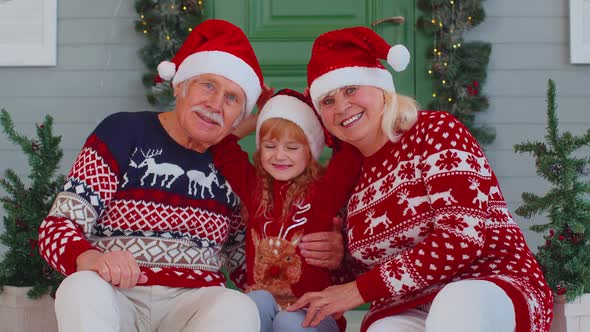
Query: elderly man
x=145, y=222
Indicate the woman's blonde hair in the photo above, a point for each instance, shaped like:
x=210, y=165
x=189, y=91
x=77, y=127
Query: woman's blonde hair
x=399, y=115
x=276, y=128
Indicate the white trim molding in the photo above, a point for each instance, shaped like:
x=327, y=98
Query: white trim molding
x=579, y=31
x=28, y=30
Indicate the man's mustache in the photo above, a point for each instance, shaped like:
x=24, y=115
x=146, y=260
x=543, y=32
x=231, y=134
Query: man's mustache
x=212, y=116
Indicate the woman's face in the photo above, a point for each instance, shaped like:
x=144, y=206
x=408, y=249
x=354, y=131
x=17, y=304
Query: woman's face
x=353, y=114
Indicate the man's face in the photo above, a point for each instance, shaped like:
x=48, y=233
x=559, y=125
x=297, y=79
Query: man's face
x=207, y=108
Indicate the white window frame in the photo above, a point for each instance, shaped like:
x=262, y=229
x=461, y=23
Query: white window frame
x=579, y=31
x=41, y=50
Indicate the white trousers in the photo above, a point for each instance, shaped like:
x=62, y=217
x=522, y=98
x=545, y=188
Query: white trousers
x=86, y=303
x=462, y=306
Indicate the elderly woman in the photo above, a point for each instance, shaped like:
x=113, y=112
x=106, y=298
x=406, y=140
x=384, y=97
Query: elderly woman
x=432, y=243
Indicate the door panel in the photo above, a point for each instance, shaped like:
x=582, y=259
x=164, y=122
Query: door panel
x=282, y=31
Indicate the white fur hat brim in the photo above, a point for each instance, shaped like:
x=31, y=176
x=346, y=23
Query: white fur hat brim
x=292, y=109
x=338, y=78
x=224, y=64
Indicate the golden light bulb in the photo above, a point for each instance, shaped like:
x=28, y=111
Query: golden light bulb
x=144, y=32
x=444, y=82
x=450, y=99
x=183, y=7
x=167, y=37
x=434, y=95
x=142, y=17
x=452, y=2
x=439, y=53
x=446, y=64
x=190, y=29
x=430, y=72
x=433, y=21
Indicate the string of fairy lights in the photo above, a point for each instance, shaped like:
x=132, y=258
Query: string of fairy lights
x=165, y=24
x=455, y=67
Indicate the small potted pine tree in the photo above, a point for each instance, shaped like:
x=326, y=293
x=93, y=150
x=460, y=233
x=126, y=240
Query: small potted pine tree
x=565, y=255
x=26, y=280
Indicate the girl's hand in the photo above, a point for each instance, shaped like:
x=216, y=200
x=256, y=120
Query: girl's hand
x=333, y=300
x=265, y=95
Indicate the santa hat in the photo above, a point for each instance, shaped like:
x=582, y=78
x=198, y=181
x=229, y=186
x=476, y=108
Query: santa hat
x=293, y=106
x=352, y=56
x=216, y=47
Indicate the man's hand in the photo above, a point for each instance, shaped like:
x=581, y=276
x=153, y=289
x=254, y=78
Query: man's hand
x=324, y=249
x=117, y=267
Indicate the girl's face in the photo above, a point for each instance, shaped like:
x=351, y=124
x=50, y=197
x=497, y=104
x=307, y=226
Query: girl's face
x=353, y=114
x=284, y=158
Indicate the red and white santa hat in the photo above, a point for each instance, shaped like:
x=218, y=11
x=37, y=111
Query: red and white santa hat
x=352, y=56
x=216, y=47
x=293, y=106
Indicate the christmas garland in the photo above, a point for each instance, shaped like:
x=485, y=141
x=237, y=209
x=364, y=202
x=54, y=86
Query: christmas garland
x=458, y=68
x=166, y=24
x=565, y=256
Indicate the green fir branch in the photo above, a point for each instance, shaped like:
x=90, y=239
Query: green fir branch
x=565, y=255
x=165, y=24
x=458, y=68
x=26, y=205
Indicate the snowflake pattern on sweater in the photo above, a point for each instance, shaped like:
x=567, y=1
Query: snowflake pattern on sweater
x=133, y=188
x=427, y=211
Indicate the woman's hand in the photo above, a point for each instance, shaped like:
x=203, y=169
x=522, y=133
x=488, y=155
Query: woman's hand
x=324, y=249
x=333, y=300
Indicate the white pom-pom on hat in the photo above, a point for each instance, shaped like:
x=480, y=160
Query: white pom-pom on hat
x=398, y=57
x=166, y=70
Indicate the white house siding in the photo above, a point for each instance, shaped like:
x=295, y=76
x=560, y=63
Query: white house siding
x=98, y=73
x=530, y=44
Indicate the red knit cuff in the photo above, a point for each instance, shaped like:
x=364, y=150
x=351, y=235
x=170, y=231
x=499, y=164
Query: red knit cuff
x=71, y=253
x=371, y=285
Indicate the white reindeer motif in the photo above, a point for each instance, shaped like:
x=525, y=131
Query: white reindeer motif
x=131, y=164
x=197, y=178
x=164, y=169
x=495, y=190
x=374, y=222
x=413, y=202
x=480, y=198
x=228, y=193
x=444, y=195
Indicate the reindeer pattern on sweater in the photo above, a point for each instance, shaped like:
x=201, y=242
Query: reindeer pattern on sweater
x=428, y=211
x=133, y=188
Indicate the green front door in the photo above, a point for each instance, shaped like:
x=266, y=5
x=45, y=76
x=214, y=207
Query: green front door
x=282, y=33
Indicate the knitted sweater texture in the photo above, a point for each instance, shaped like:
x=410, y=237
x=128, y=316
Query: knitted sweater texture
x=133, y=188
x=428, y=211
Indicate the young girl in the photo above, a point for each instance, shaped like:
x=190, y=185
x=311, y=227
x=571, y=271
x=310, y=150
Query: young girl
x=287, y=194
